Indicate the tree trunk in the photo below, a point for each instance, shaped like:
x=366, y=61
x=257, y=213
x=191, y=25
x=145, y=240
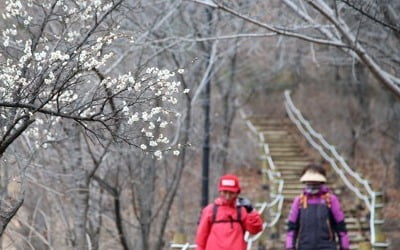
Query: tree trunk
x=81, y=197
x=146, y=201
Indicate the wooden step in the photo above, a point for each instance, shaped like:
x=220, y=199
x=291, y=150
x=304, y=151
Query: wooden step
x=290, y=167
x=278, y=137
x=268, y=132
x=289, y=155
x=289, y=159
x=285, y=149
x=263, y=120
x=299, y=186
x=282, y=144
x=290, y=178
x=273, y=145
x=284, y=162
x=290, y=171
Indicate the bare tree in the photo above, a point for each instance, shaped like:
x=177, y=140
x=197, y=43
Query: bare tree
x=51, y=55
x=340, y=34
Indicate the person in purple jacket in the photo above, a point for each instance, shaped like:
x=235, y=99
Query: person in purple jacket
x=316, y=215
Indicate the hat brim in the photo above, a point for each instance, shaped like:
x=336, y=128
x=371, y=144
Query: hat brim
x=312, y=177
x=230, y=189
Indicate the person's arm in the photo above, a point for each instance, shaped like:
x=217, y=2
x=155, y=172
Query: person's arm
x=293, y=225
x=340, y=229
x=203, y=229
x=252, y=222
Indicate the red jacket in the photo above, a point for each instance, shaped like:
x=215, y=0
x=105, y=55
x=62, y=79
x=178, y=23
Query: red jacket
x=226, y=235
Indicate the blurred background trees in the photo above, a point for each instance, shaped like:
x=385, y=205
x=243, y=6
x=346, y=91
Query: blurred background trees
x=101, y=118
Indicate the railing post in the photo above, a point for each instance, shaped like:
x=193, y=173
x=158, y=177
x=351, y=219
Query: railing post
x=273, y=185
x=274, y=232
x=263, y=237
x=179, y=238
x=380, y=237
x=364, y=246
x=264, y=171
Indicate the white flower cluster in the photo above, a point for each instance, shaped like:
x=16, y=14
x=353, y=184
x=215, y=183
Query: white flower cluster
x=92, y=57
x=93, y=6
x=126, y=81
x=46, y=70
x=10, y=80
x=14, y=9
x=41, y=136
x=154, y=84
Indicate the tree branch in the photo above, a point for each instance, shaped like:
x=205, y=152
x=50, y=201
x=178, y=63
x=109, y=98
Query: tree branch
x=46, y=111
x=388, y=80
x=373, y=18
x=278, y=31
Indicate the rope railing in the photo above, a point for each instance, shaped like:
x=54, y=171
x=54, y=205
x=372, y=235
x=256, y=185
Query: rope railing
x=278, y=201
x=183, y=246
x=321, y=145
x=274, y=177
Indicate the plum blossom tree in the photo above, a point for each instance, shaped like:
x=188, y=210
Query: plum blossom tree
x=52, y=55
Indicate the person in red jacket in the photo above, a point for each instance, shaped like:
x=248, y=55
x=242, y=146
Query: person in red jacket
x=223, y=223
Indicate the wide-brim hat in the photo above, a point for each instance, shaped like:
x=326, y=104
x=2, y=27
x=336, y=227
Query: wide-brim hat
x=229, y=183
x=311, y=176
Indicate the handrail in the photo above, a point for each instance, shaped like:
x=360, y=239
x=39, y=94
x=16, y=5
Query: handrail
x=274, y=176
x=183, y=246
x=309, y=133
x=252, y=238
x=330, y=160
x=332, y=149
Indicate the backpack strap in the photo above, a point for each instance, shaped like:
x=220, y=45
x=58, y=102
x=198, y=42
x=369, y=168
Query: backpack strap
x=214, y=215
x=303, y=201
x=239, y=213
x=327, y=198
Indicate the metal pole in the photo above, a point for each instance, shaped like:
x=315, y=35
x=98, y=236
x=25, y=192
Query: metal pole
x=206, y=147
x=207, y=125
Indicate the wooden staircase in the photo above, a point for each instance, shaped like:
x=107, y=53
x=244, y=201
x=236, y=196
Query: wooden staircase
x=290, y=156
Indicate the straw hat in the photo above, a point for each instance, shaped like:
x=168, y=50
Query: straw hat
x=311, y=176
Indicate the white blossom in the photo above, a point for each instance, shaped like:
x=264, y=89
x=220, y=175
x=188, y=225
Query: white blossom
x=151, y=125
x=146, y=116
x=163, y=124
x=125, y=109
x=158, y=154
x=133, y=118
x=58, y=55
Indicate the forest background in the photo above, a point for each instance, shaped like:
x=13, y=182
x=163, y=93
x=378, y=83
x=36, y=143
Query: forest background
x=103, y=107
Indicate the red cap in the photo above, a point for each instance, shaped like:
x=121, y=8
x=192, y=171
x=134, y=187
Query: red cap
x=229, y=182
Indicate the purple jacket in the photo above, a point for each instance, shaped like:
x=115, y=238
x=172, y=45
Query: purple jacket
x=313, y=221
